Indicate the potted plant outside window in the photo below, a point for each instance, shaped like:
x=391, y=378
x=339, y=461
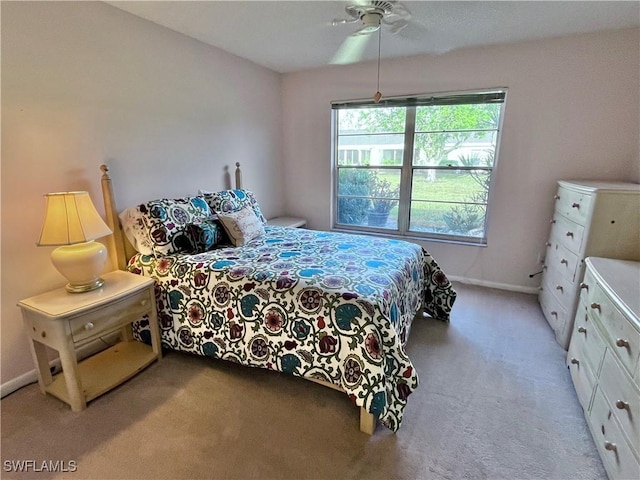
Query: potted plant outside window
x=384, y=197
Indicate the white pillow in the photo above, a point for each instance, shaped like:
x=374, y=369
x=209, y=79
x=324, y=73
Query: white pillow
x=242, y=225
x=136, y=230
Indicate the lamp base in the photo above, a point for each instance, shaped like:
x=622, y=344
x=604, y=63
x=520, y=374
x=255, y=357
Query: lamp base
x=81, y=264
x=84, y=288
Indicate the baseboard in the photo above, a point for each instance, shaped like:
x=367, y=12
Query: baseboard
x=499, y=286
x=32, y=377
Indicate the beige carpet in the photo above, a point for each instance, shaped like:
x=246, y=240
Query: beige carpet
x=495, y=402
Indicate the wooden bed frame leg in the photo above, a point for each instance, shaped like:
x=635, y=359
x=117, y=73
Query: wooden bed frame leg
x=368, y=422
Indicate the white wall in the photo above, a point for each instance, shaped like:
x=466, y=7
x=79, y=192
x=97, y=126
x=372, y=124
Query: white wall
x=572, y=112
x=84, y=83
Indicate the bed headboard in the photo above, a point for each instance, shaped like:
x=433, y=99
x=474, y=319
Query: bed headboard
x=120, y=249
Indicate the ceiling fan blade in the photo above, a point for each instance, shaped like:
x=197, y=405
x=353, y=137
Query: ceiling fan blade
x=351, y=49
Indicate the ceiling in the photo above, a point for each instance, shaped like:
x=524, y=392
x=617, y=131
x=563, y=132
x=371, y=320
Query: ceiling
x=288, y=36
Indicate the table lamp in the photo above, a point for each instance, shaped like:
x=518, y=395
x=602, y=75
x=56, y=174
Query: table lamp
x=72, y=223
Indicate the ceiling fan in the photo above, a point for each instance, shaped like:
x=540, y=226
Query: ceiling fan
x=372, y=16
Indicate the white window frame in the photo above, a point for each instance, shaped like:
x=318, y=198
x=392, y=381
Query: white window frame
x=497, y=95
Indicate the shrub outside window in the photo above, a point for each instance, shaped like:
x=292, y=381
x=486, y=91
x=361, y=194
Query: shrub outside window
x=417, y=166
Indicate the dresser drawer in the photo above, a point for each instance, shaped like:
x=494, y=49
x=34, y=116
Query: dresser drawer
x=582, y=374
x=561, y=288
x=562, y=260
x=556, y=315
x=588, y=287
x=622, y=336
x=616, y=453
x=623, y=395
x=111, y=316
x=569, y=234
x=587, y=336
x=573, y=204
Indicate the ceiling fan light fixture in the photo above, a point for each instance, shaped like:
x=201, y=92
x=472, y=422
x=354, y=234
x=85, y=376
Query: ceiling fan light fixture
x=370, y=22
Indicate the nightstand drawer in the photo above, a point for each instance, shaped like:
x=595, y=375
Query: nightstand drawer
x=110, y=316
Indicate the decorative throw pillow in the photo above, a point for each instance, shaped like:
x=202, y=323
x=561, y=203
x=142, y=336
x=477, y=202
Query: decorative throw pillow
x=204, y=236
x=228, y=201
x=242, y=226
x=159, y=226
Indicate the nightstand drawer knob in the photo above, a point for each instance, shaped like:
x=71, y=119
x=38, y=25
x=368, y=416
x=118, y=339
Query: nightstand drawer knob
x=595, y=306
x=89, y=326
x=610, y=446
x=144, y=302
x=582, y=330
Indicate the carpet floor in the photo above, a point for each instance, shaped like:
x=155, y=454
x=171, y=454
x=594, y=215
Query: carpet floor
x=495, y=401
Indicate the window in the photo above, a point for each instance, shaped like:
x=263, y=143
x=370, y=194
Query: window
x=417, y=166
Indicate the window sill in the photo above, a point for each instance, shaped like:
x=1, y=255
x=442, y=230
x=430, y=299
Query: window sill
x=409, y=238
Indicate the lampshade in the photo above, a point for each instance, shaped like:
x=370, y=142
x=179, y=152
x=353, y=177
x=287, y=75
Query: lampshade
x=71, y=218
x=72, y=222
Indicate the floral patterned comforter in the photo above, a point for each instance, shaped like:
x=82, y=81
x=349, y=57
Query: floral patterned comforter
x=330, y=306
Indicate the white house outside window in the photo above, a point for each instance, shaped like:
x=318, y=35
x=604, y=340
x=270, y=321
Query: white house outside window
x=417, y=166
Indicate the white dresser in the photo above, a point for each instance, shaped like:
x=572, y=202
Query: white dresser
x=590, y=219
x=604, y=361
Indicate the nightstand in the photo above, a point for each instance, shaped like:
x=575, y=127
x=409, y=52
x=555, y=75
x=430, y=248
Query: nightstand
x=293, y=222
x=65, y=321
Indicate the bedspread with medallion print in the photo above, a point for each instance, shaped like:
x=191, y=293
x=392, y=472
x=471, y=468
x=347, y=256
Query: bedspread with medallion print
x=330, y=306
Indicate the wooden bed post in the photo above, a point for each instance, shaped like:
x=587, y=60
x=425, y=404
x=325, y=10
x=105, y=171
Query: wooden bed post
x=116, y=239
x=238, y=177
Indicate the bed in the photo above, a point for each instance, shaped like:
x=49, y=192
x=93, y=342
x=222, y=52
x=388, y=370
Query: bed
x=330, y=307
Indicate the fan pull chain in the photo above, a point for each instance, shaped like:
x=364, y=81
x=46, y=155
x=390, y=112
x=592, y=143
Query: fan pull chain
x=378, y=95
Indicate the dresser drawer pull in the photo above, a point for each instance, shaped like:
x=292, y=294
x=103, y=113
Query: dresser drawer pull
x=554, y=313
x=564, y=261
x=595, y=306
x=611, y=447
x=556, y=197
x=584, y=286
x=570, y=234
x=575, y=205
x=89, y=326
x=622, y=343
x=582, y=330
x=552, y=221
x=620, y=405
x=559, y=287
x=575, y=361
x=144, y=302
x=548, y=244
